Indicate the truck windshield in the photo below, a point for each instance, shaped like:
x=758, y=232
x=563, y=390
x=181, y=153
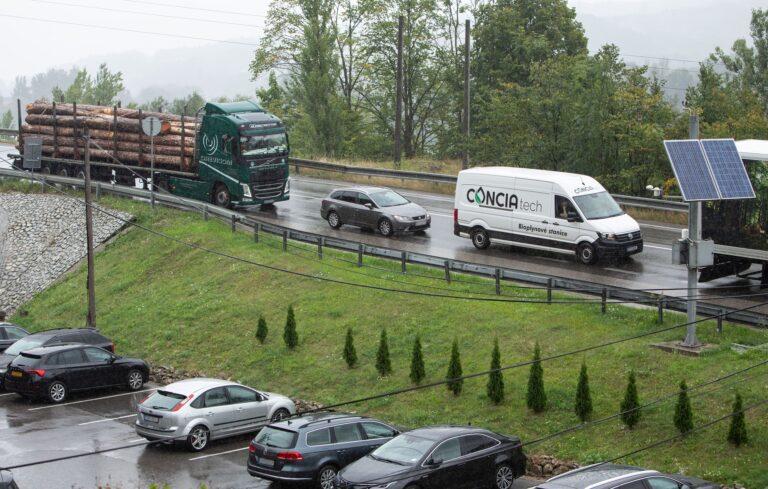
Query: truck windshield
x=598, y=206
x=264, y=144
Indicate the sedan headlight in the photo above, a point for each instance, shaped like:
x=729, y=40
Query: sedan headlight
x=608, y=236
x=246, y=190
x=382, y=486
x=403, y=218
x=3, y=370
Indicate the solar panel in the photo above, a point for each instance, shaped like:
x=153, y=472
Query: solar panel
x=691, y=170
x=728, y=169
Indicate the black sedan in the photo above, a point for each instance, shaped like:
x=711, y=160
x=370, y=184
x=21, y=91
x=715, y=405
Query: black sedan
x=610, y=476
x=457, y=457
x=9, y=333
x=374, y=208
x=53, y=372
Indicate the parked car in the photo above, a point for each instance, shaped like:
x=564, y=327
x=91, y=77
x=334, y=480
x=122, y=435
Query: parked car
x=53, y=372
x=374, y=208
x=9, y=334
x=6, y=480
x=609, y=476
x=313, y=448
x=87, y=336
x=196, y=411
x=440, y=456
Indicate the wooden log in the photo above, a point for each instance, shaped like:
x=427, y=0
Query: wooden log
x=125, y=157
x=108, y=144
x=168, y=140
x=94, y=121
x=46, y=108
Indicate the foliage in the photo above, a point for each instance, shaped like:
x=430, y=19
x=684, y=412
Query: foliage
x=737, y=433
x=417, y=362
x=7, y=120
x=583, y=405
x=383, y=363
x=683, y=414
x=630, y=412
x=454, y=370
x=290, y=336
x=261, y=330
x=536, y=397
x=495, y=386
x=349, y=353
x=102, y=90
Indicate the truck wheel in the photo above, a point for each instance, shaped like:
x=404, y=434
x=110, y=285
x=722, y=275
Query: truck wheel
x=221, y=196
x=480, y=238
x=586, y=253
x=63, y=172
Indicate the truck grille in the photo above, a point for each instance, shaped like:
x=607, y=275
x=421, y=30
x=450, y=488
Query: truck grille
x=628, y=237
x=268, y=190
x=263, y=176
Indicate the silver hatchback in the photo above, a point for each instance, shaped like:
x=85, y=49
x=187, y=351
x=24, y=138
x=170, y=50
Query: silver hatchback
x=196, y=411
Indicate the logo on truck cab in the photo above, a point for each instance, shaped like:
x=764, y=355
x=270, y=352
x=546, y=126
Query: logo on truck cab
x=499, y=199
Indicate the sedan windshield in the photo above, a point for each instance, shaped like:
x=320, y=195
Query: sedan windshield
x=24, y=344
x=598, y=206
x=404, y=449
x=388, y=198
x=263, y=144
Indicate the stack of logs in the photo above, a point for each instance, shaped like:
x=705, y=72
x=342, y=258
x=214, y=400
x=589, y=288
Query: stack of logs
x=115, y=133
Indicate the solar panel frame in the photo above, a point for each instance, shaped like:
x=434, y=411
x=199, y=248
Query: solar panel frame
x=728, y=169
x=692, y=170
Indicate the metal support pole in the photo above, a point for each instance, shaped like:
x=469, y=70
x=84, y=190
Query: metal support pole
x=233, y=218
x=720, y=321
x=90, y=321
x=603, y=299
x=360, y=249
x=661, y=310
x=320, y=242
x=152, y=170
x=403, y=260
x=549, y=291
x=497, y=276
x=21, y=134
x=43, y=185
x=694, y=234
x=465, y=159
x=285, y=240
x=447, y=266
x=205, y=213
x=256, y=229
x=98, y=191
x=399, y=92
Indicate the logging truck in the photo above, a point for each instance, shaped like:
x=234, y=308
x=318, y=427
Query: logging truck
x=230, y=154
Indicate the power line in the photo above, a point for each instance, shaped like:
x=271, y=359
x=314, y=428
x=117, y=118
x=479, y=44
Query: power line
x=188, y=7
x=665, y=59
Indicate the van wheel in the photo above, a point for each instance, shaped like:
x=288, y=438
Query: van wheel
x=480, y=238
x=586, y=253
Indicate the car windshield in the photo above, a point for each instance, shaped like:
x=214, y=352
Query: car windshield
x=163, y=400
x=24, y=344
x=388, y=198
x=263, y=144
x=598, y=206
x=404, y=449
x=275, y=437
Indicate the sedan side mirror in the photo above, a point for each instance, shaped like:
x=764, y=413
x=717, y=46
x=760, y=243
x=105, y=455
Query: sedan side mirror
x=368, y=205
x=434, y=462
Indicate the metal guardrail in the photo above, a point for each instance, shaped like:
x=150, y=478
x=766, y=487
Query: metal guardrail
x=405, y=257
x=643, y=202
x=9, y=132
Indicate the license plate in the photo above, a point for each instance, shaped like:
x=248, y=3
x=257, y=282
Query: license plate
x=150, y=418
x=267, y=462
x=630, y=249
x=16, y=373
x=269, y=201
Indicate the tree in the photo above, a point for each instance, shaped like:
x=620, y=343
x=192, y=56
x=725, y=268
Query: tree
x=188, y=105
x=417, y=362
x=630, y=406
x=383, y=364
x=683, y=415
x=349, y=354
x=536, y=398
x=290, y=336
x=737, y=434
x=583, y=405
x=7, y=121
x=495, y=387
x=106, y=86
x=261, y=330
x=454, y=370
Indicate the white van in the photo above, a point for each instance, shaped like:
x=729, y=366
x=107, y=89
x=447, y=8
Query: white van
x=546, y=210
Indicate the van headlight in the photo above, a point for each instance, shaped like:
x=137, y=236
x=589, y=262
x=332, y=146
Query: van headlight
x=246, y=190
x=608, y=236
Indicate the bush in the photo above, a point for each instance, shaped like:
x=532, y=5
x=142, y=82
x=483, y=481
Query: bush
x=683, y=414
x=630, y=414
x=290, y=336
x=454, y=370
x=536, y=398
x=417, y=362
x=583, y=406
x=737, y=434
x=383, y=364
x=350, y=355
x=261, y=330
x=495, y=388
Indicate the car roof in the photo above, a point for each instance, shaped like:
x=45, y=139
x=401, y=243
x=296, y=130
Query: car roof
x=445, y=431
x=593, y=475
x=568, y=181
x=319, y=419
x=55, y=331
x=191, y=386
x=366, y=188
x=46, y=350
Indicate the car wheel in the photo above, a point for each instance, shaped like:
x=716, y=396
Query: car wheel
x=135, y=380
x=198, y=438
x=57, y=391
x=334, y=220
x=504, y=477
x=46, y=170
x=586, y=253
x=280, y=414
x=221, y=196
x=385, y=227
x=325, y=477
x=480, y=238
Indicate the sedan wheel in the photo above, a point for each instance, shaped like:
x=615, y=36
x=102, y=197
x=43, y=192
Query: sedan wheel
x=334, y=220
x=135, y=380
x=198, y=438
x=325, y=477
x=385, y=227
x=280, y=414
x=57, y=392
x=505, y=476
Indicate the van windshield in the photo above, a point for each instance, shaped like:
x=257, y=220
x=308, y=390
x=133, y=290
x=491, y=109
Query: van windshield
x=599, y=205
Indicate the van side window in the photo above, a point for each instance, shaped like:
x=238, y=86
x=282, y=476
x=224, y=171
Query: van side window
x=562, y=207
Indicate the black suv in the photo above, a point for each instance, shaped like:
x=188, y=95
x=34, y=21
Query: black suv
x=55, y=371
x=314, y=448
x=87, y=336
x=9, y=334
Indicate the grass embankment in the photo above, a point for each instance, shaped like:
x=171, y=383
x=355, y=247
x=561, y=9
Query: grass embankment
x=172, y=304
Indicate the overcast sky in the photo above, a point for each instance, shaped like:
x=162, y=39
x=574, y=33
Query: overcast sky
x=60, y=33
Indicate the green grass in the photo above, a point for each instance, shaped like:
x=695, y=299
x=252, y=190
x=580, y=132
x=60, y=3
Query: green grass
x=171, y=304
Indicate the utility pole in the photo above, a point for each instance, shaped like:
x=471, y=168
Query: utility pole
x=91, y=319
x=399, y=91
x=694, y=237
x=465, y=160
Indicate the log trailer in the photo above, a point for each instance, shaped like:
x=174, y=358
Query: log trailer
x=230, y=154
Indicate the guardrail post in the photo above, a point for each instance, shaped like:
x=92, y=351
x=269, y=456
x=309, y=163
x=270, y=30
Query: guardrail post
x=661, y=310
x=603, y=299
x=256, y=229
x=497, y=276
x=720, y=321
x=285, y=240
x=360, y=249
x=234, y=222
x=43, y=184
x=403, y=260
x=205, y=212
x=98, y=190
x=447, y=266
x=320, y=242
x=549, y=291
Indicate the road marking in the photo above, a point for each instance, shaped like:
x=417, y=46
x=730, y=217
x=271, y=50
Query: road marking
x=221, y=453
x=9, y=394
x=621, y=271
x=665, y=248
x=664, y=228
x=89, y=400
x=137, y=440
x=107, y=419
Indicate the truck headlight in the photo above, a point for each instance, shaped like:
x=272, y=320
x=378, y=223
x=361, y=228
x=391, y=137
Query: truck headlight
x=287, y=186
x=246, y=190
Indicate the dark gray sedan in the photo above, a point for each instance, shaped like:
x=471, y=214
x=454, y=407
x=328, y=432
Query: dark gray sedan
x=374, y=208
x=9, y=333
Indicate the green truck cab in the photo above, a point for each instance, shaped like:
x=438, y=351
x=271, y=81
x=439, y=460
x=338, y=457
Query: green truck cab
x=241, y=153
